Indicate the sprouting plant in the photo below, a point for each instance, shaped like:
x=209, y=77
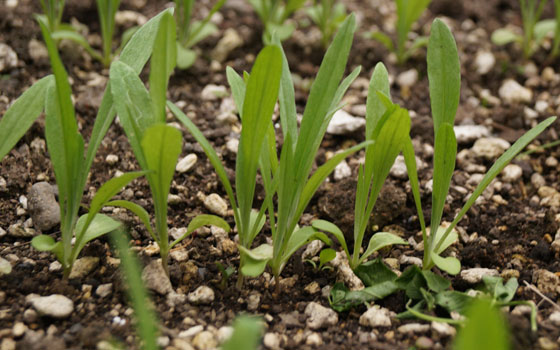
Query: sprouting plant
x=106, y=9
x=556, y=44
x=328, y=15
x=190, y=32
x=288, y=177
x=226, y=273
x=444, y=75
x=274, y=15
x=408, y=12
x=325, y=256
x=388, y=129
x=534, y=30
x=66, y=147
x=155, y=144
x=247, y=332
x=146, y=321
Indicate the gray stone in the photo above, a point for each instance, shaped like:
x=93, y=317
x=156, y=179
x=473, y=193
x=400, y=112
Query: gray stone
x=37, y=50
x=490, y=148
x=229, y=42
x=319, y=316
x=411, y=328
x=272, y=341
x=344, y=273
x=376, y=316
x=18, y=231
x=253, y=301
x=201, y=295
x=104, y=290
x=191, y=332
x=555, y=318
x=547, y=282
x=205, y=341
x=342, y=171
x=44, y=208
x=512, y=173
x=56, y=306
x=213, y=92
x=216, y=204
x=470, y=133
x=342, y=123
x=5, y=267
x=19, y=329
x=154, y=278
x=407, y=78
x=475, y=275
x=484, y=62
x=83, y=266
x=512, y=92
x=444, y=329
x=314, y=339
x=8, y=58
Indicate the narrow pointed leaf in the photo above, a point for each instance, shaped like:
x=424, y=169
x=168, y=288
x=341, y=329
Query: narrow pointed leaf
x=200, y=221
x=380, y=240
x=138, y=211
x=329, y=227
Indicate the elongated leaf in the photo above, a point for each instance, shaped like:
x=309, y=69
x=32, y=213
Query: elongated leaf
x=498, y=166
x=200, y=221
x=383, y=39
x=202, y=30
x=138, y=211
x=260, y=97
x=408, y=12
x=504, y=36
x=100, y=225
x=445, y=151
x=444, y=242
x=410, y=161
x=287, y=101
x=374, y=106
x=300, y=238
x=255, y=260
x=238, y=88
x=343, y=299
x=485, y=329
x=329, y=227
x=22, y=113
x=146, y=320
x=444, y=74
x=378, y=241
x=162, y=64
x=133, y=103
x=78, y=39
x=375, y=272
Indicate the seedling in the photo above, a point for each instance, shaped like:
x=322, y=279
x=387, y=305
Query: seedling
x=388, y=129
x=556, y=44
x=190, y=32
x=534, y=30
x=325, y=256
x=274, y=15
x=444, y=82
x=247, y=333
x=106, y=9
x=66, y=147
x=408, y=12
x=328, y=15
x=155, y=144
x=226, y=273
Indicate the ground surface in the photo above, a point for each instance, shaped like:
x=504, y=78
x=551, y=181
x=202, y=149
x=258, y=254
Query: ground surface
x=512, y=229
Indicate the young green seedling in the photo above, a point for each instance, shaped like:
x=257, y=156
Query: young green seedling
x=408, y=12
x=155, y=144
x=106, y=9
x=190, y=32
x=328, y=15
x=534, y=30
x=66, y=147
x=388, y=128
x=274, y=15
x=444, y=77
x=556, y=44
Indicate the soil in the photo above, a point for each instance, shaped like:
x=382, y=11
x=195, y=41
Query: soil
x=513, y=234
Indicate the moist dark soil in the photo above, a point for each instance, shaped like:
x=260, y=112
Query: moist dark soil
x=513, y=234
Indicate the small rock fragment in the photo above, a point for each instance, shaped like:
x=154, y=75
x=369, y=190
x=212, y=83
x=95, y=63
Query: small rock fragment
x=319, y=316
x=213, y=92
x=37, y=50
x=342, y=171
x=342, y=123
x=56, y=306
x=191, y=332
x=512, y=173
x=407, y=78
x=8, y=58
x=424, y=343
x=470, y=133
x=547, y=282
x=253, y=301
x=475, y=275
x=376, y=316
x=83, y=266
x=484, y=62
x=205, y=341
x=186, y=164
x=5, y=267
x=272, y=341
x=490, y=147
x=18, y=231
x=229, y=42
x=44, y=208
x=112, y=159
x=154, y=278
x=444, y=329
x=344, y=272
x=216, y=204
x=201, y=295
x=314, y=339
x=512, y=92
x=104, y=290
x=411, y=328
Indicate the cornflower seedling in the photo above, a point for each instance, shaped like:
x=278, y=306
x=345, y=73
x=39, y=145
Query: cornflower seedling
x=106, y=9
x=274, y=15
x=155, y=144
x=556, y=44
x=534, y=30
x=408, y=12
x=444, y=75
x=190, y=32
x=388, y=129
x=328, y=15
x=66, y=147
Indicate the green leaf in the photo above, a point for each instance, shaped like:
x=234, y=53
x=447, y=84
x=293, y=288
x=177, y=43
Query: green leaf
x=185, y=57
x=326, y=255
x=22, y=113
x=200, y=221
x=444, y=75
x=100, y=225
x=408, y=12
x=138, y=211
x=378, y=241
x=375, y=108
x=77, y=38
x=133, y=103
x=162, y=64
x=543, y=28
x=412, y=280
x=383, y=39
x=260, y=97
x=453, y=301
x=46, y=243
x=449, y=264
x=435, y=282
x=329, y=227
x=238, y=88
x=255, y=260
x=445, y=151
x=342, y=299
x=202, y=31
x=494, y=286
x=246, y=335
x=444, y=243
x=375, y=272
x=287, y=101
x=301, y=237
x=485, y=329
x=410, y=161
x=504, y=36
